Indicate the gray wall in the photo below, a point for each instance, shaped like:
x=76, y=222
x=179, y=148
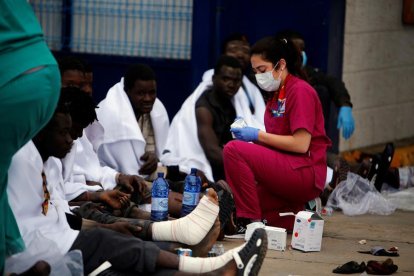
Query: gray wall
x=378, y=70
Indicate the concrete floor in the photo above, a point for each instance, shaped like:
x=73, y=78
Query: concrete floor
x=340, y=244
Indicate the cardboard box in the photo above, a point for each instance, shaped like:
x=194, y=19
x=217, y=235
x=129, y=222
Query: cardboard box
x=276, y=237
x=307, y=231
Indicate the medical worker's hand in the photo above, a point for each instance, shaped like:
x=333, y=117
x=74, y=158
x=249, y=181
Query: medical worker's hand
x=246, y=134
x=346, y=121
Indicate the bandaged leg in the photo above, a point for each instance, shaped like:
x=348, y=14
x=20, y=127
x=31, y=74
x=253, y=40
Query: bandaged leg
x=190, y=229
x=201, y=265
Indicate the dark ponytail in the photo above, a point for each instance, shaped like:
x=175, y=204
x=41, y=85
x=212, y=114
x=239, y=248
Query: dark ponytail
x=272, y=49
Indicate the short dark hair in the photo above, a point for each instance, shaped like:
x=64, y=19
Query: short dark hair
x=80, y=105
x=137, y=72
x=233, y=37
x=227, y=61
x=67, y=63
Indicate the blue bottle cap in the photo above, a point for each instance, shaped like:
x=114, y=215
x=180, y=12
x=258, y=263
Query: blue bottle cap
x=160, y=174
x=193, y=170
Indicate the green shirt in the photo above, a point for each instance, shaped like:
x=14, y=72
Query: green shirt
x=22, y=45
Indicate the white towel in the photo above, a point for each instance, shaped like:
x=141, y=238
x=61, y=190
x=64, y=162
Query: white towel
x=117, y=117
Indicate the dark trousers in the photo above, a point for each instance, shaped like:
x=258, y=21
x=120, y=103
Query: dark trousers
x=125, y=253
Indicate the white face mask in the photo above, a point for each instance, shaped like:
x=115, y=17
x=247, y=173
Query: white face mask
x=267, y=82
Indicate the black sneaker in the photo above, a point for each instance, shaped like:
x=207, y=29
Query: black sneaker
x=250, y=259
x=240, y=230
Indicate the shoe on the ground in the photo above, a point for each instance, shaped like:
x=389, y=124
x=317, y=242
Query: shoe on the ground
x=350, y=268
x=250, y=259
x=383, y=165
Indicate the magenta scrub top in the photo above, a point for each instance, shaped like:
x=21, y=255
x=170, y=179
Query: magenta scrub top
x=296, y=107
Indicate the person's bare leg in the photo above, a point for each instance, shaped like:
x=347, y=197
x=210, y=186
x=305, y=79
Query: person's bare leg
x=175, y=203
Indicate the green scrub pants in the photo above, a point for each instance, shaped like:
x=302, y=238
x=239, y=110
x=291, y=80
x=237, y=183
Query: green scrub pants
x=27, y=103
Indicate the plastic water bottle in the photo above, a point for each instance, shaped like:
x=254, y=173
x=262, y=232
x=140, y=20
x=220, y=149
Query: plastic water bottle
x=191, y=195
x=159, y=200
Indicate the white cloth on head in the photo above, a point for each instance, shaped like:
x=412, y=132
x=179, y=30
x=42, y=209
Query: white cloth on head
x=123, y=143
x=183, y=147
x=25, y=192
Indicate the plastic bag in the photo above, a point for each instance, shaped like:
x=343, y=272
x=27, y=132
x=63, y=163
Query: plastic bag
x=42, y=248
x=356, y=196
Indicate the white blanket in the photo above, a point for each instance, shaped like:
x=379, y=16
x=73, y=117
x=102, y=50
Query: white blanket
x=123, y=143
x=183, y=146
x=25, y=192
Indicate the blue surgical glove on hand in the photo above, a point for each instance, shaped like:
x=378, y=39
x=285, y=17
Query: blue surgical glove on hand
x=246, y=134
x=346, y=121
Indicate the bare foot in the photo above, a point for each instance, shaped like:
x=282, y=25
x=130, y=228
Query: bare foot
x=212, y=196
x=202, y=248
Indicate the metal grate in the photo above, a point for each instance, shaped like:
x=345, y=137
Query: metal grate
x=146, y=28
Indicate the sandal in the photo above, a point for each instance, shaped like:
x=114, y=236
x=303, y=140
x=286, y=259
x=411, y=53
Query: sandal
x=250, y=258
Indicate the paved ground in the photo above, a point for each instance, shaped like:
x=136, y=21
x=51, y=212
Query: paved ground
x=341, y=242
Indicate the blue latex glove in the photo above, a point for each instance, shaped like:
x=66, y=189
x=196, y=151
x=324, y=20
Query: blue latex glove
x=346, y=121
x=246, y=134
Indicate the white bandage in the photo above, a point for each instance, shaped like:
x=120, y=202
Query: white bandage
x=190, y=229
x=201, y=265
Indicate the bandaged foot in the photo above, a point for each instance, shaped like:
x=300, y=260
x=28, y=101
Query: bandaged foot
x=192, y=228
x=201, y=265
x=246, y=259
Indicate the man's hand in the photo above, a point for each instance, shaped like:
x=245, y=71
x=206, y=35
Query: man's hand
x=124, y=228
x=132, y=183
x=150, y=163
x=246, y=134
x=114, y=198
x=93, y=183
x=346, y=121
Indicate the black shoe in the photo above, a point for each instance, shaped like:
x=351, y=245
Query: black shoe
x=250, y=258
x=384, y=164
x=240, y=230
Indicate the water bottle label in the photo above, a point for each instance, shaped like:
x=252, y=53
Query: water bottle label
x=159, y=204
x=190, y=198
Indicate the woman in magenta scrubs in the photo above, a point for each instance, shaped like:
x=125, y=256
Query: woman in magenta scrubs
x=285, y=166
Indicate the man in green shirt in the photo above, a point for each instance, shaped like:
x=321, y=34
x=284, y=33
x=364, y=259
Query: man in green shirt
x=29, y=91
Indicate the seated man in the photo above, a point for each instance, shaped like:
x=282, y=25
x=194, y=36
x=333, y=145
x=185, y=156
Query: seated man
x=38, y=208
x=193, y=142
x=237, y=46
x=135, y=123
